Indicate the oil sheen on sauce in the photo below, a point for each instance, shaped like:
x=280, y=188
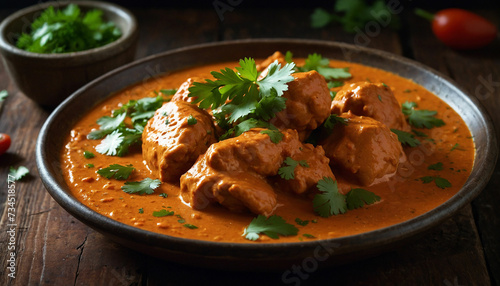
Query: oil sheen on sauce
x=404, y=197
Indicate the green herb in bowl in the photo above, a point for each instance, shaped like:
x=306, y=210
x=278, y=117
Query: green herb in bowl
x=68, y=30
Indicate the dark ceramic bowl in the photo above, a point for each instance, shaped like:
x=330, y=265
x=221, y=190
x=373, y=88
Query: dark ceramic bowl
x=262, y=256
x=50, y=78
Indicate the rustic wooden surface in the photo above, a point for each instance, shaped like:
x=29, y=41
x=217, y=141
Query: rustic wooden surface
x=53, y=248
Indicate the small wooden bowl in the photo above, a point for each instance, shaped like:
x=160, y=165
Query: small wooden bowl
x=49, y=78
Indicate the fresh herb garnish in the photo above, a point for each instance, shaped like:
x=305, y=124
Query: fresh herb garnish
x=88, y=155
x=274, y=135
x=406, y=138
x=89, y=165
x=307, y=235
x=322, y=66
x=18, y=174
x=118, y=136
x=357, y=198
x=440, y=182
x=301, y=222
x=146, y=186
x=168, y=91
x=191, y=120
x=249, y=97
x=190, y=226
x=288, y=169
x=141, y=210
x=438, y=166
x=334, y=119
x=162, y=213
x=333, y=84
x=68, y=30
x=117, y=171
x=329, y=202
x=353, y=15
x=421, y=118
x=272, y=227
x=456, y=146
x=163, y=195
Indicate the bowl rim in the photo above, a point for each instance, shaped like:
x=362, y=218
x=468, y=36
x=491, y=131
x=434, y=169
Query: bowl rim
x=114, y=47
x=378, y=237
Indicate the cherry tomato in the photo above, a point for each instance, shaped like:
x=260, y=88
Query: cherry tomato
x=460, y=29
x=4, y=143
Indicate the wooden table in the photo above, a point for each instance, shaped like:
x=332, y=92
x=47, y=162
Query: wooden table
x=53, y=248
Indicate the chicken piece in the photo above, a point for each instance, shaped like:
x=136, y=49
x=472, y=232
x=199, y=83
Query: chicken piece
x=172, y=140
x=232, y=172
x=365, y=150
x=237, y=191
x=374, y=100
x=306, y=177
x=183, y=92
x=276, y=56
x=307, y=105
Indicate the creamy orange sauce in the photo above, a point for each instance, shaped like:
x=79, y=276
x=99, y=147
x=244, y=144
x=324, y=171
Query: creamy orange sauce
x=403, y=197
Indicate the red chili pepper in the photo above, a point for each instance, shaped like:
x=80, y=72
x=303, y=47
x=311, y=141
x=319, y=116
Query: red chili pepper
x=460, y=29
x=4, y=143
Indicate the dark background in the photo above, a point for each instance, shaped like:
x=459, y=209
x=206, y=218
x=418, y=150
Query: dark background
x=262, y=4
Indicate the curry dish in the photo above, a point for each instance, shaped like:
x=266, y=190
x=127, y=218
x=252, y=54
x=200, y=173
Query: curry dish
x=351, y=149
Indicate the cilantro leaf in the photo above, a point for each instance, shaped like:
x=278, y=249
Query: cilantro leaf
x=329, y=202
x=3, y=95
x=357, y=198
x=272, y=227
x=191, y=120
x=68, y=30
x=118, y=137
x=162, y=213
x=456, y=146
x=117, y=171
x=406, y=138
x=17, y=174
x=107, y=122
x=276, y=79
x=307, y=235
x=275, y=135
x=88, y=155
x=190, y=226
x=146, y=186
x=301, y=222
x=354, y=15
x=438, y=166
x=333, y=119
x=320, y=18
x=168, y=91
x=249, y=97
x=440, y=182
x=322, y=66
x=421, y=118
x=287, y=171
x=110, y=144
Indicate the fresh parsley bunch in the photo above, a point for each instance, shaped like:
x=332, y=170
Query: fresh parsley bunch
x=64, y=31
x=240, y=99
